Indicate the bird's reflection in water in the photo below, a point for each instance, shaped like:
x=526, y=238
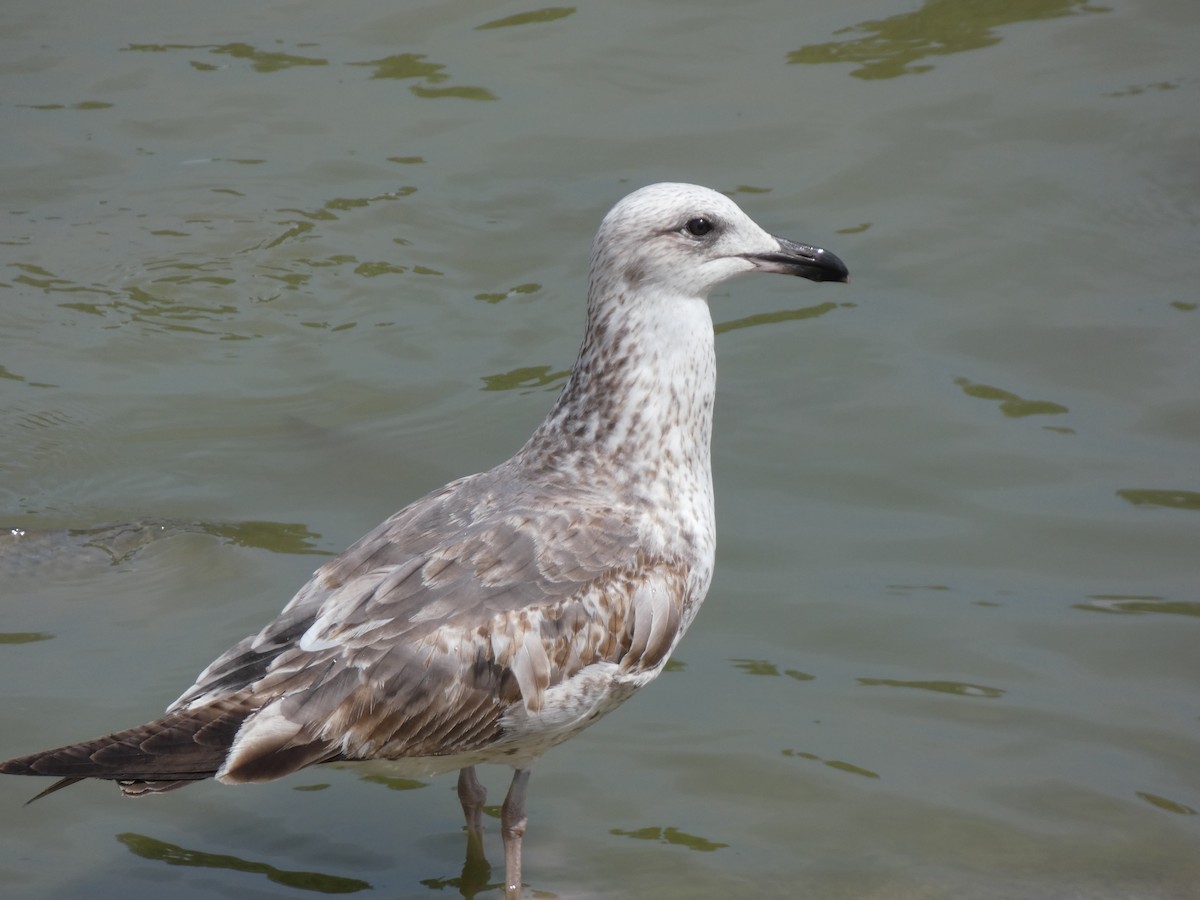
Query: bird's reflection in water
x=174, y=855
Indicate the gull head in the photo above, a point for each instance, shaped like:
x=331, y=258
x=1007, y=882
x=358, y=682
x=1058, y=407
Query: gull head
x=683, y=240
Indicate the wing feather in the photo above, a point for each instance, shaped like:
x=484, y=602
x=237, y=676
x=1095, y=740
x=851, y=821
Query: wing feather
x=424, y=637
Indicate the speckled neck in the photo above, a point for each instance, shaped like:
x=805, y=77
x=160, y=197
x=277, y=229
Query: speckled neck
x=638, y=406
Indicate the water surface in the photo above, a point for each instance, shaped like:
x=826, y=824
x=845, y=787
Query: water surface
x=270, y=271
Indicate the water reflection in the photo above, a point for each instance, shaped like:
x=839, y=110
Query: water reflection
x=1165, y=498
x=783, y=315
x=85, y=104
x=670, y=835
x=344, y=204
x=958, y=688
x=260, y=60
x=13, y=376
x=396, y=784
x=174, y=855
x=40, y=278
x=277, y=537
x=28, y=552
x=1135, y=90
x=525, y=378
x=747, y=189
x=404, y=66
x=762, y=667
x=398, y=66
x=839, y=764
x=1169, y=805
x=894, y=46
x=24, y=637
x=159, y=308
x=1138, y=604
x=474, y=879
x=535, y=17
x=530, y=288
x=1010, y=404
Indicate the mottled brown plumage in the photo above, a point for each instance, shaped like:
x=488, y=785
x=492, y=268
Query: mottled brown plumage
x=507, y=611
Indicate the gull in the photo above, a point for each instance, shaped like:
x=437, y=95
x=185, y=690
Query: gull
x=505, y=612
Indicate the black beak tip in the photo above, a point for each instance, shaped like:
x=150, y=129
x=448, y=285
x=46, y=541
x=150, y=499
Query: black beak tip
x=831, y=268
x=803, y=260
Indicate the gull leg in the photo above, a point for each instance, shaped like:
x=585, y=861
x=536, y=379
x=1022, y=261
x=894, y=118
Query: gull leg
x=472, y=795
x=512, y=827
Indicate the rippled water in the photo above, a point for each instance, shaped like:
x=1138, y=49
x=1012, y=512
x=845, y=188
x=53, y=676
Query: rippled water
x=269, y=271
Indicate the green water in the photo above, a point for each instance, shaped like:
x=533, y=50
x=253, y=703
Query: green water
x=270, y=271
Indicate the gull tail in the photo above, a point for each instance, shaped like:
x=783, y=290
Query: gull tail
x=168, y=753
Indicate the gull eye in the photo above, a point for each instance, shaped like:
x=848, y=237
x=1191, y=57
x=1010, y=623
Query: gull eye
x=699, y=226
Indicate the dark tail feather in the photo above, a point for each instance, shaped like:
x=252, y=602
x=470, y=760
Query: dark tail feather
x=57, y=786
x=175, y=750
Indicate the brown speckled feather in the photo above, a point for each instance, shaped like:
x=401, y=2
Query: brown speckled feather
x=450, y=652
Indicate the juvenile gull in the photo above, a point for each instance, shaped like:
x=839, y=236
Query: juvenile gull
x=507, y=611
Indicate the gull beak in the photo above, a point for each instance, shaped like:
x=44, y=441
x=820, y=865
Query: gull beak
x=808, y=262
